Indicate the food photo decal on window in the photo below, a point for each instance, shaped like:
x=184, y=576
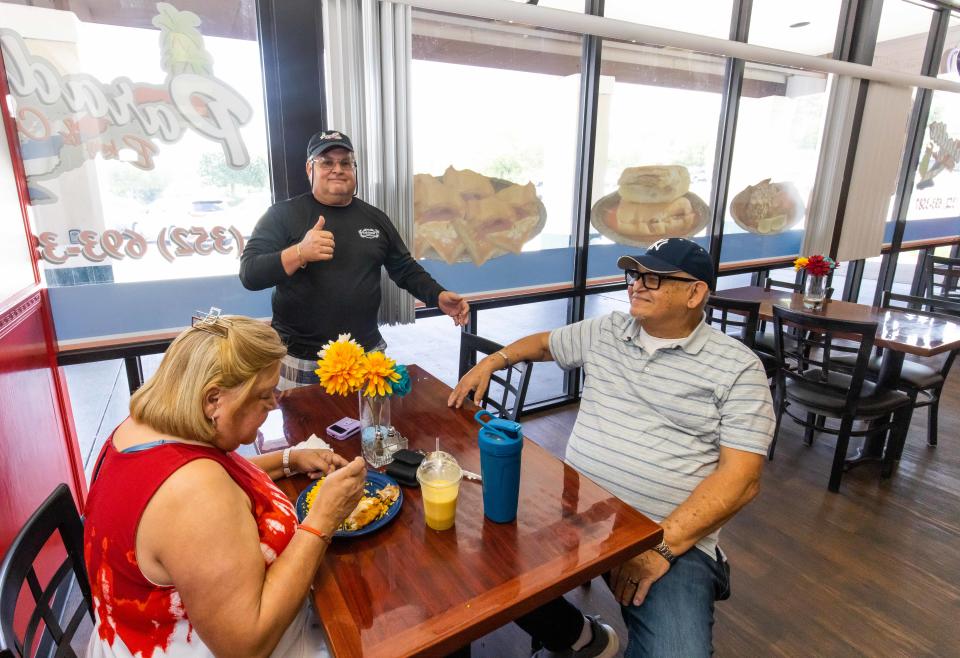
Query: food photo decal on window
x=767, y=208
x=652, y=202
x=464, y=216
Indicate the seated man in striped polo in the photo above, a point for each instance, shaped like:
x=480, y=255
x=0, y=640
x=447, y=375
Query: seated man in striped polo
x=675, y=419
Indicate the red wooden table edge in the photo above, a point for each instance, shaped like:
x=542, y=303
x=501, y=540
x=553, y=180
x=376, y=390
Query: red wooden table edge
x=345, y=644
x=490, y=618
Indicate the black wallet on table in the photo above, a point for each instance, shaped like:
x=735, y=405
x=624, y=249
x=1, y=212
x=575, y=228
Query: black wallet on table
x=403, y=468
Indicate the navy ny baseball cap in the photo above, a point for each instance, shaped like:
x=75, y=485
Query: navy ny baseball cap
x=325, y=140
x=674, y=255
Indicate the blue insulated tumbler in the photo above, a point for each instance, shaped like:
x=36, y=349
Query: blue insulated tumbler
x=501, y=443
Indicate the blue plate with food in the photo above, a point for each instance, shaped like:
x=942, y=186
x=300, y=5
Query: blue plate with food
x=381, y=501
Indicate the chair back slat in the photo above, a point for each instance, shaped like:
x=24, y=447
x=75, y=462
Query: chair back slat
x=773, y=284
x=942, y=278
x=804, y=346
x=932, y=306
x=57, y=514
x=734, y=315
x=512, y=384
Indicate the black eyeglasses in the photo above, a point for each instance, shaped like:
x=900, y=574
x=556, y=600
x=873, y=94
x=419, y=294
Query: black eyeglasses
x=651, y=280
x=328, y=164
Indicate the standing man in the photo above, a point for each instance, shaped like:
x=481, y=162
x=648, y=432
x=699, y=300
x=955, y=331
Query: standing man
x=675, y=419
x=322, y=253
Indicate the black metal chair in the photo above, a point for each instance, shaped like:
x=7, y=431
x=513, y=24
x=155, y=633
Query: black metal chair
x=763, y=343
x=922, y=382
x=507, y=390
x=942, y=279
x=809, y=379
x=740, y=319
x=44, y=630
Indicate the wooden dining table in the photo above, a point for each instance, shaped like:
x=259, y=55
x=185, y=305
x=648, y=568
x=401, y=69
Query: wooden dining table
x=900, y=331
x=408, y=590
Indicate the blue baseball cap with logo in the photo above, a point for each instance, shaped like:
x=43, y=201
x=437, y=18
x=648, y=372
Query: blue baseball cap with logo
x=674, y=255
x=325, y=140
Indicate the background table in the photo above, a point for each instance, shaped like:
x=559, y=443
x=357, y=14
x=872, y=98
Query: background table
x=406, y=589
x=899, y=332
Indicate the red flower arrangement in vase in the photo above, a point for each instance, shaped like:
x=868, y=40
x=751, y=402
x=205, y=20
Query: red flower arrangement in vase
x=817, y=268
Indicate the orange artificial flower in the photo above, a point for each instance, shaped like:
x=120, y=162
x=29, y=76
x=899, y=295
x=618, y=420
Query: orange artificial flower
x=378, y=374
x=341, y=366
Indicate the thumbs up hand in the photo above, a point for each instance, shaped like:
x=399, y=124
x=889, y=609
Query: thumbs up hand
x=317, y=244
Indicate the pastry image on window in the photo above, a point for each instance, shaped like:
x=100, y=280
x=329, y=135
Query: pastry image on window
x=651, y=202
x=464, y=216
x=767, y=208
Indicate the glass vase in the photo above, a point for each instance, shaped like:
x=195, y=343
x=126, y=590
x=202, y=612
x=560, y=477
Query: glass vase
x=814, y=291
x=378, y=438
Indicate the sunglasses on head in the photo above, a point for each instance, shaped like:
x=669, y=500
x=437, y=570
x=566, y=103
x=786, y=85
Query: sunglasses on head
x=652, y=280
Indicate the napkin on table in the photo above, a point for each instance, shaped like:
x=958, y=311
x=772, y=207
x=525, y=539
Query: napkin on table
x=314, y=442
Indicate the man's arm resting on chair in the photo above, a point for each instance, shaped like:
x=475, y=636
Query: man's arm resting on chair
x=535, y=347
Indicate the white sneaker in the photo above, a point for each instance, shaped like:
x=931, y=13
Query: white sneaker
x=604, y=644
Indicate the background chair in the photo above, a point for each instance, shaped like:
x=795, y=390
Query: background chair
x=740, y=319
x=507, y=389
x=808, y=379
x=921, y=381
x=763, y=343
x=56, y=514
x=942, y=278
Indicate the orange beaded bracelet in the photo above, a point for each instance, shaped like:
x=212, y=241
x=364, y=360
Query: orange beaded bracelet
x=313, y=531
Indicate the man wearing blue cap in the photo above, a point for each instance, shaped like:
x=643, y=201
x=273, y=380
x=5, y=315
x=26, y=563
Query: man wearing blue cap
x=322, y=253
x=675, y=419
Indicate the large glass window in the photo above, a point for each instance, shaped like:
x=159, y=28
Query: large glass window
x=802, y=27
x=657, y=120
x=158, y=169
x=902, y=36
x=494, y=109
x=708, y=17
x=505, y=325
x=779, y=127
x=143, y=136
x=934, y=209
x=566, y=5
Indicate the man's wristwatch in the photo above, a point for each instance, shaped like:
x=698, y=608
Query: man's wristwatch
x=665, y=551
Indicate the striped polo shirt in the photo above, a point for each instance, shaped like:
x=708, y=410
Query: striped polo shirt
x=650, y=426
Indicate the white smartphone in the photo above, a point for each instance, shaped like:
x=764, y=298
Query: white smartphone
x=343, y=428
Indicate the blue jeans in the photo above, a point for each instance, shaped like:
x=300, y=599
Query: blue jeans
x=676, y=618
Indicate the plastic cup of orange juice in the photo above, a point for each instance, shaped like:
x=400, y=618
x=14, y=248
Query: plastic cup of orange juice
x=439, y=476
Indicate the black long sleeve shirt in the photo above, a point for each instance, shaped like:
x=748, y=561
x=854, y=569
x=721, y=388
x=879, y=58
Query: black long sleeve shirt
x=328, y=298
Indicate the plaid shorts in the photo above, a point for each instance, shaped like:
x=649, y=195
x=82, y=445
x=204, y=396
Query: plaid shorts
x=295, y=372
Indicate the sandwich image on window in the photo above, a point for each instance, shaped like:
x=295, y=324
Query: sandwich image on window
x=767, y=208
x=651, y=202
x=464, y=216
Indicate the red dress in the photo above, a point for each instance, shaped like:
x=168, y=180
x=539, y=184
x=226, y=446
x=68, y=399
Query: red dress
x=133, y=615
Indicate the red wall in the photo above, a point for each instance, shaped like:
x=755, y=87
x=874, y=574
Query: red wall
x=38, y=447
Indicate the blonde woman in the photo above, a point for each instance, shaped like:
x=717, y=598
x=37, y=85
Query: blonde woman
x=191, y=549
